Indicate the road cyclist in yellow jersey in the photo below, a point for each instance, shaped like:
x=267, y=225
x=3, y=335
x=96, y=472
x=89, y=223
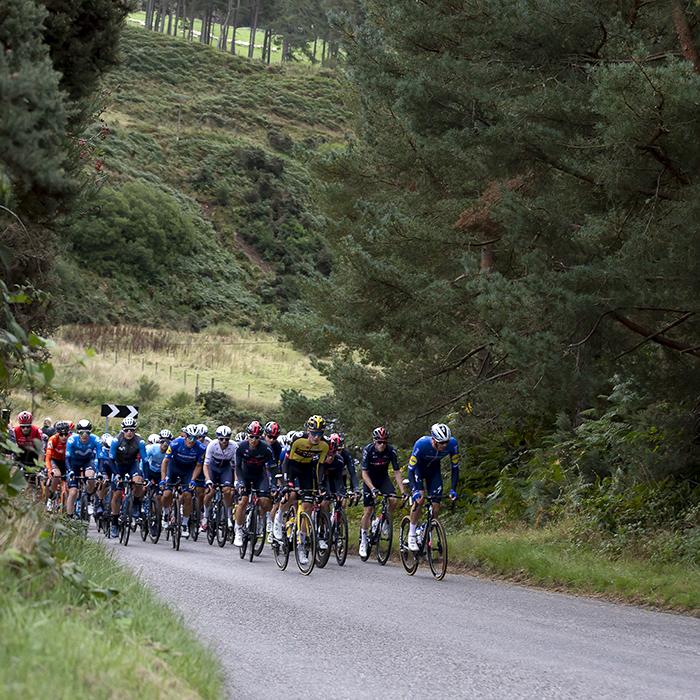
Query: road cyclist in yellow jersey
x=306, y=455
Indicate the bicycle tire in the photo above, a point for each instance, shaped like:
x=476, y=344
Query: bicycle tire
x=155, y=528
x=323, y=535
x=213, y=525
x=305, y=541
x=280, y=551
x=127, y=508
x=244, y=547
x=63, y=502
x=177, y=524
x=384, y=541
x=252, y=525
x=195, y=521
x=437, y=549
x=260, y=544
x=409, y=559
x=83, y=504
x=221, y=522
x=144, y=522
x=340, y=537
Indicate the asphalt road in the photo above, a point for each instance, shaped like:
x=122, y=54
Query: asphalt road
x=366, y=631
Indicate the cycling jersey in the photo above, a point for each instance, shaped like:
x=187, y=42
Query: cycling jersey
x=31, y=450
x=332, y=480
x=154, y=461
x=253, y=460
x=55, y=450
x=350, y=468
x=425, y=461
x=183, y=460
x=215, y=456
x=302, y=456
x=376, y=463
x=78, y=451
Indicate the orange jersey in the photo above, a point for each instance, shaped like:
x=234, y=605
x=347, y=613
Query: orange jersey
x=55, y=449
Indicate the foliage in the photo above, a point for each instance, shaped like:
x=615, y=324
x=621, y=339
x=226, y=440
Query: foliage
x=135, y=228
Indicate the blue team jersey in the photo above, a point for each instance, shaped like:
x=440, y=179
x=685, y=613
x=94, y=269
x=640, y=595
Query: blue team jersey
x=155, y=457
x=184, y=457
x=80, y=452
x=425, y=458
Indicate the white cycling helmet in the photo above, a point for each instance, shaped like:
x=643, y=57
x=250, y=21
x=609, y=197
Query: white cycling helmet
x=153, y=439
x=191, y=431
x=239, y=437
x=202, y=430
x=223, y=431
x=106, y=439
x=165, y=434
x=440, y=432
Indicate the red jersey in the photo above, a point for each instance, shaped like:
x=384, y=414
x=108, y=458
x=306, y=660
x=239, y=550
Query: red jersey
x=26, y=442
x=55, y=449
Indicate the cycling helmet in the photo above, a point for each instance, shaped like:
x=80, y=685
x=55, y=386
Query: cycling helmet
x=84, y=424
x=341, y=440
x=191, y=431
x=129, y=424
x=440, y=432
x=61, y=426
x=254, y=429
x=272, y=429
x=165, y=435
x=315, y=423
x=106, y=439
x=153, y=438
x=71, y=426
x=380, y=434
x=24, y=418
x=203, y=430
x=223, y=431
x=334, y=444
x=239, y=437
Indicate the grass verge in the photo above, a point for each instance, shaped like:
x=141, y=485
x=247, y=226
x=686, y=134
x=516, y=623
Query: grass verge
x=88, y=628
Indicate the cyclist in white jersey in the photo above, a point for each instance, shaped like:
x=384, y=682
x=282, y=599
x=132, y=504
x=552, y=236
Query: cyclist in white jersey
x=218, y=469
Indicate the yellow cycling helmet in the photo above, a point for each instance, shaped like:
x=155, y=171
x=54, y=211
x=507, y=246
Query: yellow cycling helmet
x=315, y=423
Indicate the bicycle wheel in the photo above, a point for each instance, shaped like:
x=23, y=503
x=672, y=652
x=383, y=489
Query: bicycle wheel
x=153, y=517
x=63, y=502
x=437, y=549
x=246, y=519
x=260, y=545
x=305, y=543
x=212, y=525
x=253, y=529
x=144, y=520
x=340, y=537
x=323, y=538
x=280, y=551
x=221, y=523
x=409, y=559
x=385, y=534
x=195, y=521
x=125, y=520
x=83, y=505
x=176, y=523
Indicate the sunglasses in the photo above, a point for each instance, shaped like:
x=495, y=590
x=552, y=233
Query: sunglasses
x=224, y=439
x=380, y=442
x=166, y=440
x=84, y=432
x=316, y=433
x=253, y=437
x=64, y=434
x=443, y=442
x=129, y=430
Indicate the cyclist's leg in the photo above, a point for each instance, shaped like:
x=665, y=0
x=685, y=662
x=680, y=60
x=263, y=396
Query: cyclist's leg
x=77, y=470
x=434, y=491
x=415, y=512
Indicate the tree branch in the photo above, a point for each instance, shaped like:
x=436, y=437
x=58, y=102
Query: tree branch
x=685, y=35
x=656, y=337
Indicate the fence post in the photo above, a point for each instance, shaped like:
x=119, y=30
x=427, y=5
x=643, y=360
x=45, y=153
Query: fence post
x=212, y=383
x=185, y=378
x=248, y=390
x=171, y=372
x=156, y=368
x=143, y=363
x=115, y=355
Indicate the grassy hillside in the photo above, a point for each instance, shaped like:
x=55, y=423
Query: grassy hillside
x=237, y=174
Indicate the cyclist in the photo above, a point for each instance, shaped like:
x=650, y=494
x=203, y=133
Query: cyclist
x=56, y=460
x=376, y=458
x=272, y=431
x=202, y=436
x=182, y=464
x=253, y=457
x=424, y=466
x=30, y=440
x=154, y=463
x=81, y=452
x=218, y=469
x=125, y=452
x=307, y=453
x=104, y=470
x=349, y=462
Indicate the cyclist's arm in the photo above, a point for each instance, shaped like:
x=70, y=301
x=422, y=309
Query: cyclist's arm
x=398, y=478
x=350, y=466
x=164, y=468
x=454, y=458
x=198, y=468
x=367, y=480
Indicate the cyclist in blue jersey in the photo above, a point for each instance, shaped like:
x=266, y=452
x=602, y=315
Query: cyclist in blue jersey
x=126, y=452
x=218, y=469
x=253, y=457
x=182, y=464
x=349, y=462
x=424, y=473
x=103, y=470
x=376, y=458
x=81, y=452
x=202, y=436
x=156, y=455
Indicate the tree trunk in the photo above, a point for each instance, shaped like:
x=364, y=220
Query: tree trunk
x=149, y=14
x=315, y=44
x=685, y=35
x=224, y=27
x=190, y=34
x=235, y=26
x=285, y=48
x=253, y=27
x=203, y=28
x=162, y=16
x=177, y=18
